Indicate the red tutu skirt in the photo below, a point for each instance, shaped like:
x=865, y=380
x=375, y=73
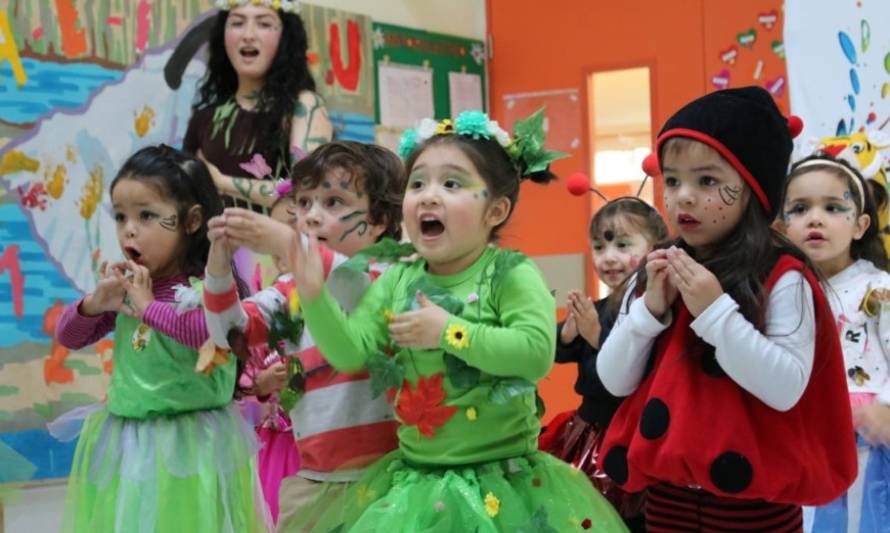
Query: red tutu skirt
x=578, y=443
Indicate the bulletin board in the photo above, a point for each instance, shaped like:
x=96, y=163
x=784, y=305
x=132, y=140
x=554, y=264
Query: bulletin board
x=418, y=71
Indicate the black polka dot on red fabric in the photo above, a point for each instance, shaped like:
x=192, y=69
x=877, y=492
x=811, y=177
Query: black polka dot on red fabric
x=615, y=464
x=655, y=419
x=731, y=472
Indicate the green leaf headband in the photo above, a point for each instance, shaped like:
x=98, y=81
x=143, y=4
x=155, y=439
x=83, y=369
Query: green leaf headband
x=525, y=148
x=287, y=6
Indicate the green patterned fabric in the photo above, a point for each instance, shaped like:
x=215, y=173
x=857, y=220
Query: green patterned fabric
x=155, y=375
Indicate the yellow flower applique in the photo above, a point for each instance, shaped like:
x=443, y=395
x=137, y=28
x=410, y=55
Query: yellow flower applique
x=141, y=337
x=492, y=505
x=472, y=415
x=457, y=336
x=388, y=315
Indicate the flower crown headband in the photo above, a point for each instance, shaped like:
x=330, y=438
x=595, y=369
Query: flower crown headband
x=287, y=6
x=525, y=148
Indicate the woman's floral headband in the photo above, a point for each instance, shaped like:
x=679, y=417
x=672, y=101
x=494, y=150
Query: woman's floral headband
x=287, y=6
x=525, y=148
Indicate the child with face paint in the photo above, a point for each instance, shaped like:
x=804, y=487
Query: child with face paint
x=457, y=338
x=347, y=195
x=621, y=234
x=829, y=212
x=169, y=452
x=732, y=418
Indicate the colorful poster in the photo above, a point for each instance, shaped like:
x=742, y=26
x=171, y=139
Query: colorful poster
x=838, y=66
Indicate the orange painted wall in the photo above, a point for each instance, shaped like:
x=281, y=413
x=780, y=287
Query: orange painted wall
x=541, y=46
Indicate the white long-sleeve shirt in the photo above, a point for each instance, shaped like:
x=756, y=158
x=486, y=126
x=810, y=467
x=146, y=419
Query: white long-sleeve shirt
x=865, y=340
x=774, y=367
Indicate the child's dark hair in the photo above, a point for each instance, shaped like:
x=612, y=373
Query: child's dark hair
x=632, y=210
x=287, y=77
x=373, y=170
x=869, y=246
x=184, y=180
x=493, y=165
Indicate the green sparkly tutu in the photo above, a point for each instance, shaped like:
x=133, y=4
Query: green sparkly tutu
x=535, y=493
x=190, y=472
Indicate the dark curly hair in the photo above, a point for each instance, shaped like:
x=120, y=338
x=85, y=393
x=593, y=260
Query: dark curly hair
x=373, y=170
x=287, y=77
x=493, y=165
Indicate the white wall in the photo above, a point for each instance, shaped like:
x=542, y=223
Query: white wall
x=465, y=18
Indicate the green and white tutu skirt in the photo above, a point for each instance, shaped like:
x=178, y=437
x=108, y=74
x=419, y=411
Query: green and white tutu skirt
x=535, y=493
x=192, y=472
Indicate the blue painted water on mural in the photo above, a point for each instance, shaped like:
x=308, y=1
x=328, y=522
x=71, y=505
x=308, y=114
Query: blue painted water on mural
x=353, y=127
x=54, y=457
x=43, y=285
x=50, y=86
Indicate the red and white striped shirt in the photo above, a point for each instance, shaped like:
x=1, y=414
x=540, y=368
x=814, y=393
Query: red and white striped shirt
x=338, y=426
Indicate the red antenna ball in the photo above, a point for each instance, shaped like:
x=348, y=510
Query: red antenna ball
x=650, y=165
x=795, y=125
x=578, y=184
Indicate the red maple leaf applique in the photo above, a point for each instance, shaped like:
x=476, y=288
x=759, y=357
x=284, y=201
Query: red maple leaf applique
x=422, y=406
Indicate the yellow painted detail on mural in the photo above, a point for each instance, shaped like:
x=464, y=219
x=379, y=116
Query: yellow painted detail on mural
x=55, y=182
x=92, y=193
x=70, y=154
x=16, y=161
x=144, y=121
x=8, y=51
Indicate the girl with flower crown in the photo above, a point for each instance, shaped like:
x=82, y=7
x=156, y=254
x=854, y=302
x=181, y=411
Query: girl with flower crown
x=257, y=108
x=456, y=340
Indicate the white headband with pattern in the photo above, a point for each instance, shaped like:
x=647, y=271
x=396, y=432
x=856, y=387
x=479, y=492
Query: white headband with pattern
x=287, y=6
x=860, y=188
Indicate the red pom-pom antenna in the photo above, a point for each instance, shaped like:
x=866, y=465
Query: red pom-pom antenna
x=650, y=165
x=578, y=184
x=795, y=125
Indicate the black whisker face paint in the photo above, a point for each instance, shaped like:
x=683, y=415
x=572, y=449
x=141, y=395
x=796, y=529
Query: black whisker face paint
x=169, y=223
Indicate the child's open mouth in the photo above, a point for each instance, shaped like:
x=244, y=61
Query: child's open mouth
x=686, y=221
x=133, y=254
x=431, y=227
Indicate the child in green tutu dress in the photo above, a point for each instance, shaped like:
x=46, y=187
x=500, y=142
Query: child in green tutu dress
x=169, y=452
x=456, y=339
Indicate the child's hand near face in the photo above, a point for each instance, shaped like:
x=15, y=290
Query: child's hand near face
x=660, y=292
x=304, y=259
x=258, y=232
x=421, y=328
x=586, y=318
x=138, y=290
x=569, y=330
x=219, y=258
x=876, y=300
x=873, y=423
x=110, y=291
x=698, y=286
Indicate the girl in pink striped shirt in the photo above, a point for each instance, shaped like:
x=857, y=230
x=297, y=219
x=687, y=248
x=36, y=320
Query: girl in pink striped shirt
x=168, y=452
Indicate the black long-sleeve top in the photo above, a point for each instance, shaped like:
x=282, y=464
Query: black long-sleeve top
x=597, y=404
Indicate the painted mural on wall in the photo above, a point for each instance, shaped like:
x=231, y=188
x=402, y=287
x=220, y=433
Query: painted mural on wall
x=83, y=84
x=746, y=47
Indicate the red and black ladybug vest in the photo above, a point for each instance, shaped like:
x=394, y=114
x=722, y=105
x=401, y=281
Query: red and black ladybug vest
x=689, y=424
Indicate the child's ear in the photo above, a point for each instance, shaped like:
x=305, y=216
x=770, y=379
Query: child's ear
x=779, y=225
x=862, y=223
x=498, y=211
x=193, y=219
